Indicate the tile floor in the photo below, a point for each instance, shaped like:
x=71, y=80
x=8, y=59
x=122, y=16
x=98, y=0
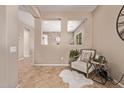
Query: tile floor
x=46, y=77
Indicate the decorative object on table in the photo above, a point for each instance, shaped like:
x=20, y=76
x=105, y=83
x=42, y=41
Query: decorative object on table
x=83, y=63
x=120, y=23
x=100, y=59
x=74, y=55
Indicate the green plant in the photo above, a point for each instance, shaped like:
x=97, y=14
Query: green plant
x=74, y=55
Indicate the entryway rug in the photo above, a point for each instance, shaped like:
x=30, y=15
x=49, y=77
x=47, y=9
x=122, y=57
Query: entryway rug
x=75, y=79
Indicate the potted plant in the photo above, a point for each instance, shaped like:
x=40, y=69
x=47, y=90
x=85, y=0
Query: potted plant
x=74, y=55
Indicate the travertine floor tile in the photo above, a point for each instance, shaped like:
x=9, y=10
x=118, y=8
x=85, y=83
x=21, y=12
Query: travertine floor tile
x=45, y=77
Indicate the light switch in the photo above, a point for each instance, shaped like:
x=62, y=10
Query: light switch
x=13, y=49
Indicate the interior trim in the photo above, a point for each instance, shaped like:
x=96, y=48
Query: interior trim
x=51, y=64
x=19, y=59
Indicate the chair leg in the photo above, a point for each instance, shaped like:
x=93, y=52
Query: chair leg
x=87, y=75
x=87, y=71
x=71, y=68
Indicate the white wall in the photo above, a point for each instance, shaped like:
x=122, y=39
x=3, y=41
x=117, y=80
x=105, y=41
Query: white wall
x=26, y=18
x=52, y=54
x=26, y=43
x=8, y=38
x=106, y=39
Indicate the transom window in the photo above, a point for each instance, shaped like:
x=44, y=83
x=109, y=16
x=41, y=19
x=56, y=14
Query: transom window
x=72, y=25
x=51, y=25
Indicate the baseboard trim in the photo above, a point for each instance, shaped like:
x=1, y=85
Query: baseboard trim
x=51, y=64
x=19, y=59
x=120, y=84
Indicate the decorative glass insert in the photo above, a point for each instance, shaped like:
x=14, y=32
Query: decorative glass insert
x=72, y=25
x=51, y=25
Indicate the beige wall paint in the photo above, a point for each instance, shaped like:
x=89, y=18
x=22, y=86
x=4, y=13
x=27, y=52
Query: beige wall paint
x=106, y=39
x=58, y=54
x=8, y=37
x=20, y=40
x=37, y=41
x=86, y=35
x=3, y=62
x=12, y=40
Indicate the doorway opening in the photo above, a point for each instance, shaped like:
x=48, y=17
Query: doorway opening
x=26, y=42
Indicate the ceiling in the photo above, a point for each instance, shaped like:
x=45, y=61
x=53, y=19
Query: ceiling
x=28, y=19
x=72, y=24
x=61, y=8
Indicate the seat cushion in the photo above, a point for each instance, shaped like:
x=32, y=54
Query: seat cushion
x=81, y=66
